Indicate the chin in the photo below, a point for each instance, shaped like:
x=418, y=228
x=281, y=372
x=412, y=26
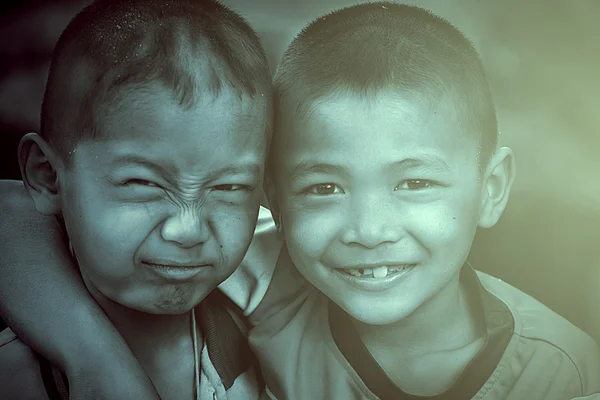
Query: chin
x=180, y=306
x=173, y=306
x=384, y=313
x=170, y=309
x=152, y=309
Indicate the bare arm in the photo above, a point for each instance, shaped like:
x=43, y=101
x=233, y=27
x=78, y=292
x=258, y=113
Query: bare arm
x=44, y=301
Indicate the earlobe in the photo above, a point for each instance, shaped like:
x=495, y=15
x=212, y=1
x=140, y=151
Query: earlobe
x=499, y=177
x=39, y=163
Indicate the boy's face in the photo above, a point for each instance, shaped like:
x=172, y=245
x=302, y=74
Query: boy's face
x=162, y=208
x=380, y=200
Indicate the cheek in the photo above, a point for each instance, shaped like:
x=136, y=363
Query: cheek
x=107, y=237
x=124, y=224
x=310, y=231
x=233, y=229
x=448, y=225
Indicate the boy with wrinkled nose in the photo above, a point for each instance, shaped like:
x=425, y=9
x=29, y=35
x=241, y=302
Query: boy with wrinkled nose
x=153, y=138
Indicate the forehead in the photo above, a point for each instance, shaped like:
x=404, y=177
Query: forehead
x=387, y=124
x=217, y=129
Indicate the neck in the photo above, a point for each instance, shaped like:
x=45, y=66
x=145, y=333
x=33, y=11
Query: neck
x=444, y=323
x=150, y=336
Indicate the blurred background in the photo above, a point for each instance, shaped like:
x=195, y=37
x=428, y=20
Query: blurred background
x=542, y=58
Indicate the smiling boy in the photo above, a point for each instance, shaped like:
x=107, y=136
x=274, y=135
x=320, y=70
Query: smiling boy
x=384, y=164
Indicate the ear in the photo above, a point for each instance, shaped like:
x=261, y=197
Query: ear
x=271, y=193
x=499, y=177
x=39, y=163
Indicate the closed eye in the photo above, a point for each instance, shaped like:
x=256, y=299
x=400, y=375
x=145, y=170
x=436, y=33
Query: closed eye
x=231, y=187
x=140, y=182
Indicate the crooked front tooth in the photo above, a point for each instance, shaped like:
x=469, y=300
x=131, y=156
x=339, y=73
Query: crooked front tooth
x=367, y=271
x=354, y=272
x=380, y=272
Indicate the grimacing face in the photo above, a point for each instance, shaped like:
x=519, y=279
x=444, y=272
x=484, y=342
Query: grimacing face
x=380, y=199
x=162, y=209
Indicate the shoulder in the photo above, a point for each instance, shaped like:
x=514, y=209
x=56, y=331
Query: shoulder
x=19, y=369
x=297, y=331
x=13, y=194
x=536, y=321
x=249, y=283
x=551, y=335
x=11, y=189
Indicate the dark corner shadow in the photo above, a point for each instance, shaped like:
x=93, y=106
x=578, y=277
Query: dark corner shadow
x=9, y=143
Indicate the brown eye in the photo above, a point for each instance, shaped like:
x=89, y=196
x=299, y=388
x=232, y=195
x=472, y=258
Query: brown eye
x=325, y=189
x=414, y=184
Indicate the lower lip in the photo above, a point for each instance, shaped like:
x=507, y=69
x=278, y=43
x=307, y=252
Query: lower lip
x=376, y=284
x=174, y=272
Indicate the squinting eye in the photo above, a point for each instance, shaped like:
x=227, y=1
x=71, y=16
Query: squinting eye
x=414, y=184
x=230, y=187
x=324, y=189
x=140, y=182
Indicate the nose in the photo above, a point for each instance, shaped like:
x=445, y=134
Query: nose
x=187, y=228
x=371, y=223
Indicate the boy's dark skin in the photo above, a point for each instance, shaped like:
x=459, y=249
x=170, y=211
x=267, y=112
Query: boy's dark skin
x=152, y=311
x=172, y=176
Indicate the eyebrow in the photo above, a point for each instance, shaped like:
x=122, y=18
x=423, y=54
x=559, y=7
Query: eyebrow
x=250, y=169
x=311, y=167
x=133, y=159
x=427, y=162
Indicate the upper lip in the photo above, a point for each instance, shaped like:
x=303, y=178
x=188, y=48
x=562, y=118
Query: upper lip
x=177, y=264
x=375, y=265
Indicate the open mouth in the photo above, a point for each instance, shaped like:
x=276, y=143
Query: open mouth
x=380, y=272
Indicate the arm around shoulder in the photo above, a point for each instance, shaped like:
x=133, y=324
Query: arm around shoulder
x=35, y=265
x=20, y=376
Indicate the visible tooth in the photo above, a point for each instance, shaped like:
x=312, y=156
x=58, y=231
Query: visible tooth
x=368, y=271
x=396, y=269
x=353, y=272
x=380, y=272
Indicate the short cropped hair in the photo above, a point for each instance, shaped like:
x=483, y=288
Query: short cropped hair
x=373, y=47
x=115, y=46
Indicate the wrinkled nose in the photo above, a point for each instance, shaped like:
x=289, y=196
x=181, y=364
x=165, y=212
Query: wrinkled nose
x=186, y=228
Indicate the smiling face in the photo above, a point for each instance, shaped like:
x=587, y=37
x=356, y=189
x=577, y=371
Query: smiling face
x=380, y=199
x=161, y=209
